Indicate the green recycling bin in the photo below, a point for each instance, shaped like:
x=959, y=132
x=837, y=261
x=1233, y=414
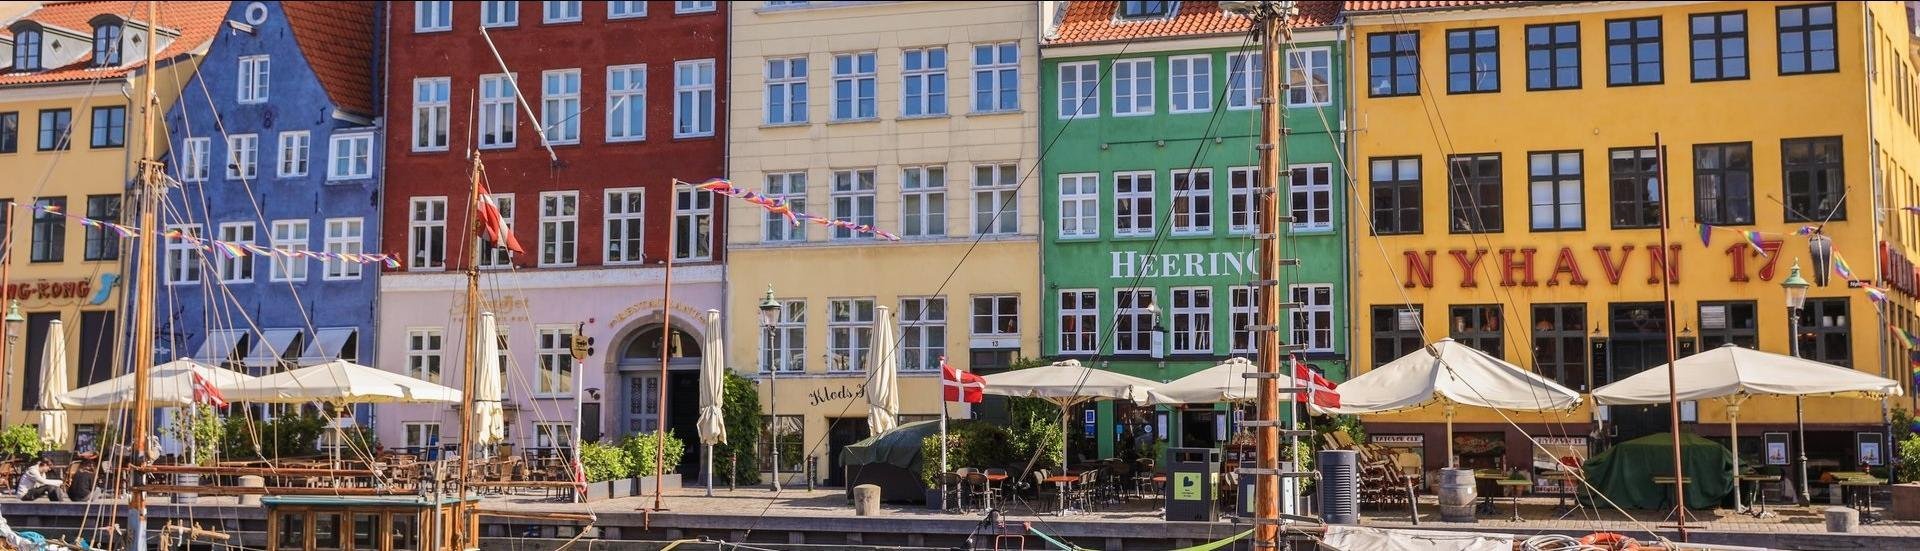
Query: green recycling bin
x=1191, y=473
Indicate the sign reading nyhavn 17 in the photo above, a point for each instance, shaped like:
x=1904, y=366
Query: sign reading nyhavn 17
x=1532, y=267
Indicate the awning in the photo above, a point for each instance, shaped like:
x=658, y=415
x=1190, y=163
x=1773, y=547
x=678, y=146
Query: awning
x=219, y=346
x=328, y=344
x=271, y=347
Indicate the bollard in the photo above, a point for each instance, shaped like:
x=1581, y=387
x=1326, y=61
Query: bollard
x=866, y=500
x=1842, y=520
x=813, y=470
x=733, y=470
x=251, y=481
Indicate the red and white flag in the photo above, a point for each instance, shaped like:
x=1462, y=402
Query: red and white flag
x=493, y=227
x=961, y=386
x=1320, y=391
x=204, y=392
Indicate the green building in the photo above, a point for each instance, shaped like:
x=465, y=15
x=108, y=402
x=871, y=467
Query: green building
x=1149, y=122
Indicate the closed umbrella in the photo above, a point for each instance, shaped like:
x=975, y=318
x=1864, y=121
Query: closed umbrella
x=1731, y=374
x=1450, y=374
x=1067, y=383
x=883, y=393
x=489, y=417
x=53, y=419
x=713, y=387
x=168, y=384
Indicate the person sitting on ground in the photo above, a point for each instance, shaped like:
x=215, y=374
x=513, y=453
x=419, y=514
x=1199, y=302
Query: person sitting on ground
x=35, y=483
x=83, y=478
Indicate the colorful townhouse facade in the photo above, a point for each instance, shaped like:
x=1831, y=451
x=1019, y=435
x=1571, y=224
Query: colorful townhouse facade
x=275, y=147
x=1517, y=161
x=582, y=131
x=69, y=138
x=919, y=118
x=1150, y=112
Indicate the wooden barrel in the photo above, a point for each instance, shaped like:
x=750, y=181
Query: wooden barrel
x=1457, y=492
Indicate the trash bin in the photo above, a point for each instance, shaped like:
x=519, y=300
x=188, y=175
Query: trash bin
x=1190, y=484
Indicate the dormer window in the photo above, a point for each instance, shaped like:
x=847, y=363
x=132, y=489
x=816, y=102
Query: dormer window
x=106, y=45
x=1139, y=10
x=26, y=50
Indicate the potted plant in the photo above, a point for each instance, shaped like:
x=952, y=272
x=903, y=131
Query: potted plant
x=936, y=497
x=202, y=431
x=606, y=466
x=640, y=460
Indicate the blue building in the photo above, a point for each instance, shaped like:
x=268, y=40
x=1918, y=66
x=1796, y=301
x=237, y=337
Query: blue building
x=274, y=144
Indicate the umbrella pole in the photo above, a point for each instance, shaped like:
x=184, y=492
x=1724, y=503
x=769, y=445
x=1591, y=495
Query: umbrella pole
x=709, y=470
x=1451, y=463
x=943, y=423
x=1733, y=416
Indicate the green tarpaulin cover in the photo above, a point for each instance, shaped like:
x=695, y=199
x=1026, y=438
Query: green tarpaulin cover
x=899, y=447
x=1625, y=472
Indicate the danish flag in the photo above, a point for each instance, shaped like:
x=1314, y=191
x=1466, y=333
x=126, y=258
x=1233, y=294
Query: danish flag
x=961, y=386
x=1320, y=391
x=493, y=227
x=203, y=391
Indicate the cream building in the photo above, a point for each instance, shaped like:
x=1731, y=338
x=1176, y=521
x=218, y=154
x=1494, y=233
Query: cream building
x=919, y=118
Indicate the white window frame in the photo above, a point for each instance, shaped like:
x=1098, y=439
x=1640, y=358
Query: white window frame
x=994, y=314
x=1316, y=61
x=291, y=238
x=616, y=223
x=1085, y=313
x=183, y=256
x=1138, y=314
x=991, y=75
x=784, y=85
x=1129, y=72
x=1240, y=190
x=236, y=268
x=296, y=148
x=927, y=75
x=499, y=122
x=687, y=6
x=553, y=351
x=849, y=334
x=1078, y=89
x=927, y=186
x=1189, y=219
x=1243, y=307
x=350, y=240
x=1134, y=198
x=358, y=149
x=431, y=109
x=1246, y=80
x=1303, y=325
x=849, y=187
x=625, y=101
x=432, y=16
x=426, y=360
x=996, y=202
x=1190, y=321
x=195, y=156
x=492, y=257
x=1192, y=87
x=253, y=77
x=560, y=227
x=1079, y=205
x=853, y=78
x=692, y=215
x=553, y=435
x=426, y=228
x=552, y=11
x=696, y=95
x=499, y=13
x=790, y=332
x=1296, y=190
x=792, y=188
x=917, y=322
x=560, y=105
x=626, y=9
x=427, y=433
x=243, y=156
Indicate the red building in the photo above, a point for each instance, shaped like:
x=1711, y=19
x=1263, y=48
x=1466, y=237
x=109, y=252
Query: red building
x=631, y=97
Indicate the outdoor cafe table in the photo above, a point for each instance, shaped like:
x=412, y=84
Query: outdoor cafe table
x=1760, y=482
x=1515, y=486
x=1863, y=485
x=1065, y=483
x=1664, y=502
x=1486, y=506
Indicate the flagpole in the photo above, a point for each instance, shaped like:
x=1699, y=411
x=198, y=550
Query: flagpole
x=943, y=416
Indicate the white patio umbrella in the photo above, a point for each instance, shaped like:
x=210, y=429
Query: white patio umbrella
x=1450, y=373
x=713, y=387
x=489, y=416
x=168, y=384
x=1067, y=383
x=883, y=392
x=1224, y=382
x=339, y=381
x=53, y=419
x=1731, y=374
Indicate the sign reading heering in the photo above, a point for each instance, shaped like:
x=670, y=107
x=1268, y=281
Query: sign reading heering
x=1129, y=264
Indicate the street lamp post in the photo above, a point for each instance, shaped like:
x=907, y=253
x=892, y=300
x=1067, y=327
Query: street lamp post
x=769, y=314
x=1796, y=288
x=14, y=320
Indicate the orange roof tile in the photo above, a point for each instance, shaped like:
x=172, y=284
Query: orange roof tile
x=337, y=38
x=1363, y=6
x=1094, y=21
x=196, y=23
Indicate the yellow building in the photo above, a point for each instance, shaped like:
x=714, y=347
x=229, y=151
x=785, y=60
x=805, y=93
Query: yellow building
x=69, y=137
x=919, y=118
x=1507, y=175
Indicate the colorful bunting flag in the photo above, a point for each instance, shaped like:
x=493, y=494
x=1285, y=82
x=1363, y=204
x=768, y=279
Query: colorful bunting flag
x=224, y=248
x=781, y=207
x=1840, y=267
x=1875, y=294
x=1706, y=235
x=1912, y=342
x=1754, y=239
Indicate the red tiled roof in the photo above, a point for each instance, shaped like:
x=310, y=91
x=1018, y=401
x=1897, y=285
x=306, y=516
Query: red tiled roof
x=196, y=23
x=1363, y=6
x=337, y=38
x=1093, y=21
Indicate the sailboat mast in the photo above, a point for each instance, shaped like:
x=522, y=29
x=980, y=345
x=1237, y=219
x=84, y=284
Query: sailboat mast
x=467, y=369
x=1666, y=301
x=150, y=190
x=1273, y=22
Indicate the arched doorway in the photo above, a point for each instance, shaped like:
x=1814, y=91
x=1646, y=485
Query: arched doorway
x=638, y=367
